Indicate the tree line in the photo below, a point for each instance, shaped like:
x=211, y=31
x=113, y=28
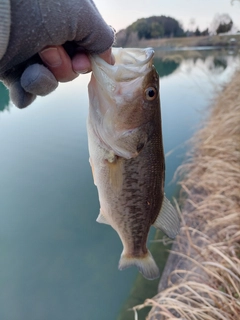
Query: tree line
x=166, y=27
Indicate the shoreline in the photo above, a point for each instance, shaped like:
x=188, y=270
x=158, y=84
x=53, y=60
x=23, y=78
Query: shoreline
x=231, y=41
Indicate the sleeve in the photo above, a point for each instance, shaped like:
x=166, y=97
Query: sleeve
x=5, y=22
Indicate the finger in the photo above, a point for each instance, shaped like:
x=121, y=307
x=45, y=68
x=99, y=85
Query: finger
x=59, y=63
x=19, y=96
x=81, y=63
x=38, y=80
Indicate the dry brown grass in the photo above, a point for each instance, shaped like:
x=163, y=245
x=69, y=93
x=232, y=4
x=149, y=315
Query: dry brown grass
x=204, y=281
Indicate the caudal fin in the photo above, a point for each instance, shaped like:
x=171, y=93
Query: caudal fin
x=146, y=265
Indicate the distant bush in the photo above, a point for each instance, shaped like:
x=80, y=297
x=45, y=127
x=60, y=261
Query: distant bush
x=198, y=33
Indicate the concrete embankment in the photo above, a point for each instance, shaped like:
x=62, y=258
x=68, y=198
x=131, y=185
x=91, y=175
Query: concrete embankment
x=201, y=280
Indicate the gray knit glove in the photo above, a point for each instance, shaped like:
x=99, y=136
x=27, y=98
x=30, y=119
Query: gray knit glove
x=35, y=24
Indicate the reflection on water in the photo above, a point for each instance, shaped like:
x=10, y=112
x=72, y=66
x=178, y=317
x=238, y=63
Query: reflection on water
x=186, y=93
x=165, y=67
x=4, y=97
x=220, y=63
x=168, y=62
x=56, y=261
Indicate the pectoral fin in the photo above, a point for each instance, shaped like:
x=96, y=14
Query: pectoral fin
x=168, y=219
x=101, y=218
x=115, y=167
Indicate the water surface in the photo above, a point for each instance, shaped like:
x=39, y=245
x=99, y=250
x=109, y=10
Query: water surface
x=56, y=262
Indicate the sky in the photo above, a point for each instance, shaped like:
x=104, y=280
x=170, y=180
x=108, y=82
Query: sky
x=190, y=13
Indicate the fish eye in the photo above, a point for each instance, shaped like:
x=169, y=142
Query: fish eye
x=150, y=93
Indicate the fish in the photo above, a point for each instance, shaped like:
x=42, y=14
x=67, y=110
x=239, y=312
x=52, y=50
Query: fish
x=126, y=153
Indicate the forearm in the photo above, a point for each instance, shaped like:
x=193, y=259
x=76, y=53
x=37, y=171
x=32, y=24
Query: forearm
x=5, y=23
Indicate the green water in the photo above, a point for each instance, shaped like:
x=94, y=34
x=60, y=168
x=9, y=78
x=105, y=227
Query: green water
x=56, y=262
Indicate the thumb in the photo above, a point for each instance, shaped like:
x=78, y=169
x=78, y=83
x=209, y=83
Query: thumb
x=38, y=80
x=35, y=80
x=19, y=96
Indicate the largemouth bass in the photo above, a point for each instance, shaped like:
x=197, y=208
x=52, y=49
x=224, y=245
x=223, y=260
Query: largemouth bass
x=126, y=153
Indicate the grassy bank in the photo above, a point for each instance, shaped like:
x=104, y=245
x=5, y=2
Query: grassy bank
x=201, y=280
x=177, y=43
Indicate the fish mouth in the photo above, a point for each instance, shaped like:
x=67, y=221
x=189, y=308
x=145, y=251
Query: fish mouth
x=133, y=57
x=129, y=65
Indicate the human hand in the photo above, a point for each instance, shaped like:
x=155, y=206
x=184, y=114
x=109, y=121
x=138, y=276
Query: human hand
x=68, y=30
x=66, y=69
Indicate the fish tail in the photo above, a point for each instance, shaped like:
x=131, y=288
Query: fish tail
x=145, y=264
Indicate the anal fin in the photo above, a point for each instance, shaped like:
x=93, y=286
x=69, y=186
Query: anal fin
x=168, y=219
